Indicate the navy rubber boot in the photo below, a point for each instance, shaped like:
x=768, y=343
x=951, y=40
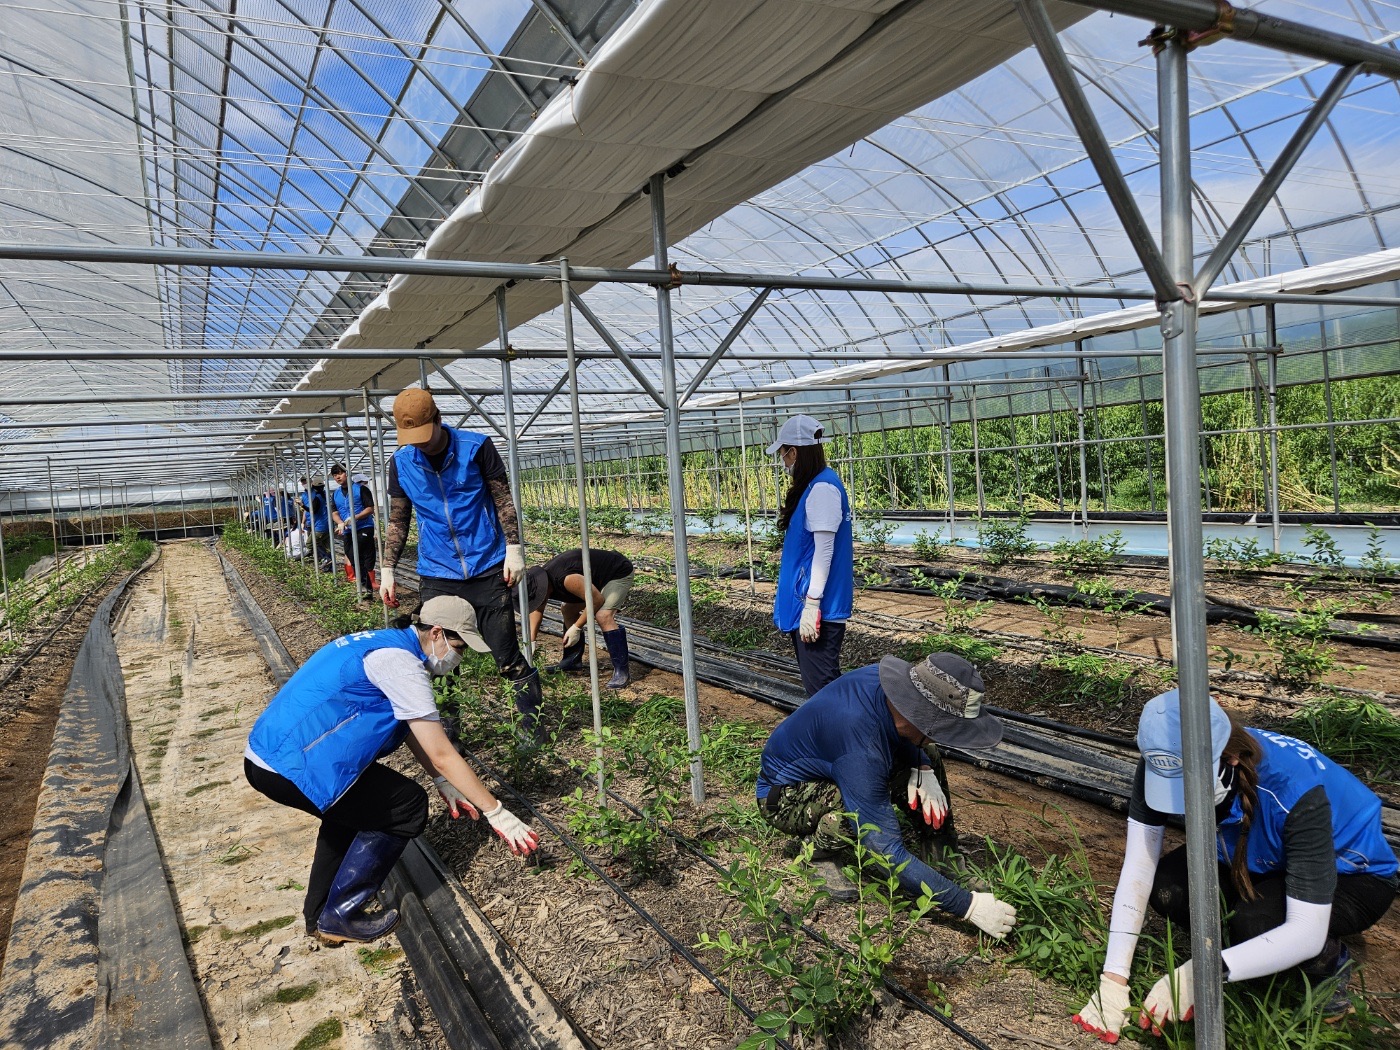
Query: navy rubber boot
x=528, y=699
x=572, y=660
x=616, y=641
x=367, y=864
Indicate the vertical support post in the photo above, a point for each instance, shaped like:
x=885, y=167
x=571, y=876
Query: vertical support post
x=82, y=529
x=381, y=516
x=513, y=464
x=352, y=536
x=1331, y=422
x=1271, y=336
x=4, y=570
x=590, y=622
x=1261, y=462
x=213, y=521
x=184, y=522
x=976, y=451
x=1083, y=450
x=744, y=493
x=661, y=262
x=310, y=505
x=948, y=451
x=1147, y=445
x=53, y=519
x=376, y=475
x=1182, y=413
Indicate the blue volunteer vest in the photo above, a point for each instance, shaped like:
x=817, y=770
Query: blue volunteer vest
x=1288, y=770
x=347, y=505
x=329, y=722
x=320, y=519
x=459, y=533
x=795, y=571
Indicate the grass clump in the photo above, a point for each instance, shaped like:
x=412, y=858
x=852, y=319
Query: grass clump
x=323, y=1034
x=295, y=993
x=258, y=929
x=1360, y=734
x=377, y=960
x=207, y=787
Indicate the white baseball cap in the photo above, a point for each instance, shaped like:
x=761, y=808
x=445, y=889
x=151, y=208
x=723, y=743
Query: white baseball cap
x=798, y=431
x=1159, y=740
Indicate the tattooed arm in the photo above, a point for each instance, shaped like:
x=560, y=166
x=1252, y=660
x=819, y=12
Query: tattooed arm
x=505, y=508
x=396, y=533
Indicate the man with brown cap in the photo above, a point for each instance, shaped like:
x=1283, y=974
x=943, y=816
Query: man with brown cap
x=870, y=737
x=468, y=536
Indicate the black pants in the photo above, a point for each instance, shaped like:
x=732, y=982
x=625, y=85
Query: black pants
x=1358, y=904
x=381, y=800
x=819, y=661
x=493, y=603
x=364, y=539
x=324, y=551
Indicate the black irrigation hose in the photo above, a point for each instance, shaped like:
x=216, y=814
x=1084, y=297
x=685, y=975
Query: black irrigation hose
x=894, y=987
x=1108, y=791
x=613, y=885
x=463, y=1024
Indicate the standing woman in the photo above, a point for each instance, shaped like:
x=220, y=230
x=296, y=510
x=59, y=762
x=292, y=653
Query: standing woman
x=1302, y=864
x=316, y=748
x=353, y=515
x=816, y=580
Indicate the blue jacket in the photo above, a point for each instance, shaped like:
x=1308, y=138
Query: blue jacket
x=845, y=735
x=347, y=505
x=1288, y=770
x=459, y=533
x=795, y=570
x=330, y=722
x=315, y=504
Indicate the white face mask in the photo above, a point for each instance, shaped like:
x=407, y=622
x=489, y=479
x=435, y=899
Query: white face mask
x=1223, y=783
x=445, y=664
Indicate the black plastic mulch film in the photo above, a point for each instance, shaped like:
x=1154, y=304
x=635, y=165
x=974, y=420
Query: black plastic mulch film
x=95, y=956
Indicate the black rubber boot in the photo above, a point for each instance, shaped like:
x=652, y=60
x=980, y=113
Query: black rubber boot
x=528, y=699
x=616, y=642
x=572, y=660
x=371, y=857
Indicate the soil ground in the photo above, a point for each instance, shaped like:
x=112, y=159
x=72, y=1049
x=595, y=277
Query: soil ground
x=629, y=988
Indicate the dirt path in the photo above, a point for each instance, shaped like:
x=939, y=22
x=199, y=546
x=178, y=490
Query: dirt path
x=237, y=863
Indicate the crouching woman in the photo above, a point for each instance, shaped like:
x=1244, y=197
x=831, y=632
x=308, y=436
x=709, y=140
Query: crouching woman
x=1301, y=859
x=316, y=748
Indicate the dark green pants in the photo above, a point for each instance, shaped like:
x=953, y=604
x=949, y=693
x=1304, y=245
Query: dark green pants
x=813, y=809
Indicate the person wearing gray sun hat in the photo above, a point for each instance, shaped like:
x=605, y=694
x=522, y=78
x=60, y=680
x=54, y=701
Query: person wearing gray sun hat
x=867, y=743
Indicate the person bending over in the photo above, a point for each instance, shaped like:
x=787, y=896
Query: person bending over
x=561, y=578
x=316, y=748
x=1302, y=863
x=868, y=739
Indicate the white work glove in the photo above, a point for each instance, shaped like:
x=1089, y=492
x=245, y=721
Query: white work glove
x=573, y=636
x=457, y=803
x=515, y=563
x=925, y=794
x=1172, y=998
x=516, y=834
x=993, y=917
x=386, y=587
x=811, y=624
x=1103, y=1015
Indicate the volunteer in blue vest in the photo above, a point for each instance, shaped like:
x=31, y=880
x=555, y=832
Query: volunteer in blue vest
x=352, y=513
x=316, y=748
x=561, y=578
x=866, y=743
x=468, y=535
x=316, y=518
x=816, y=579
x=1302, y=863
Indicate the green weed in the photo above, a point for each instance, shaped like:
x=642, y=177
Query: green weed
x=295, y=993
x=322, y=1034
x=258, y=929
x=1003, y=540
x=377, y=960
x=1360, y=734
x=1073, y=558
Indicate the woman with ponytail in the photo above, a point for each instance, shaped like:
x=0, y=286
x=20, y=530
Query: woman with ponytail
x=816, y=578
x=1302, y=864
